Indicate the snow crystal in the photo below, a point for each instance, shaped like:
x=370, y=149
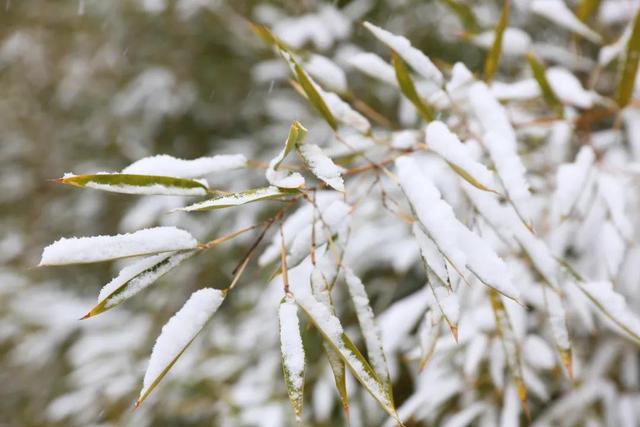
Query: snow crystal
x=165, y=165
x=180, y=330
x=78, y=250
x=441, y=140
x=322, y=166
x=374, y=66
x=567, y=87
x=291, y=344
x=558, y=12
x=326, y=72
x=414, y=57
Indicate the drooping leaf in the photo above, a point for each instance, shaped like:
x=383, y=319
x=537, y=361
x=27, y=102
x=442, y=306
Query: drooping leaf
x=331, y=330
x=408, y=88
x=136, y=277
x=296, y=136
x=547, y=92
x=241, y=198
x=292, y=354
x=465, y=14
x=314, y=97
x=493, y=57
x=177, y=334
x=321, y=166
x=628, y=79
x=138, y=184
x=281, y=178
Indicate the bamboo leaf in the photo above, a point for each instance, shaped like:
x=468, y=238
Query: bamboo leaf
x=292, y=354
x=321, y=166
x=408, y=88
x=627, y=81
x=177, y=334
x=138, y=184
x=547, y=92
x=135, y=278
x=286, y=179
x=587, y=8
x=493, y=57
x=465, y=14
x=331, y=330
x=314, y=97
x=297, y=134
x=241, y=198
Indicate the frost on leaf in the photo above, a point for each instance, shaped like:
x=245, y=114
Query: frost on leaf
x=237, y=199
x=282, y=178
x=138, y=184
x=177, y=334
x=80, y=250
x=322, y=166
x=292, y=354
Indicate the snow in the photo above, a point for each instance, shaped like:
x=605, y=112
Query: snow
x=611, y=51
x=374, y=66
x=558, y=12
x=236, y=199
x=568, y=89
x=441, y=140
x=322, y=166
x=614, y=306
x=414, y=57
x=520, y=90
x=326, y=72
x=570, y=182
x=180, y=330
x=197, y=187
x=431, y=256
x=292, y=349
x=78, y=250
x=490, y=113
x=538, y=353
x=515, y=42
x=140, y=275
x=165, y=165
x=368, y=325
x=343, y=111
x=405, y=139
x=460, y=77
x=284, y=178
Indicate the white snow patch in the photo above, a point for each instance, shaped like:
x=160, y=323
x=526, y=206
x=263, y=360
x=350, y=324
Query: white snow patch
x=322, y=166
x=165, y=165
x=558, y=12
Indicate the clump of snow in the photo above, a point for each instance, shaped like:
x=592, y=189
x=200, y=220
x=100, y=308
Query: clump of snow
x=78, y=250
x=520, y=90
x=374, y=66
x=236, y=199
x=405, y=139
x=322, y=166
x=570, y=182
x=292, y=351
x=567, y=87
x=611, y=51
x=414, y=57
x=515, y=42
x=490, y=113
x=165, y=165
x=460, y=77
x=342, y=111
x=558, y=12
x=326, y=72
x=614, y=306
x=180, y=330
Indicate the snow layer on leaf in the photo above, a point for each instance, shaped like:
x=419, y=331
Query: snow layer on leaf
x=292, y=352
x=611, y=51
x=322, y=166
x=165, y=165
x=139, y=184
x=430, y=254
x=374, y=66
x=558, y=12
x=284, y=179
x=326, y=72
x=180, y=330
x=441, y=140
x=139, y=275
x=567, y=87
x=460, y=77
x=237, y=199
x=520, y=90
x=414, y=57
x=490, y=113
x=613, y=306
x=570, y=182
x=514, y=41
x=79, y=250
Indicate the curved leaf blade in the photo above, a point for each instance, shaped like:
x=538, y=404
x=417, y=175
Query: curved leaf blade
x=125, y=183
x=628, y=79
x=292, y=354
x=408, y=88
x=493, y=57
x=241, y=198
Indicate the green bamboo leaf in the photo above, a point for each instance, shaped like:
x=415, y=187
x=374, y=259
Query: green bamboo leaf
x=292, y=354
x=296, y=136
x=625, y=87
x=586, y=9
x=267, y=36
x=136, y=277
x=465, y=14
x=547, y=92
x=283, y=178
x=321, y=166
x=177, y=334
x=408, y=88
x=314, y=97
x=493, y=57
x=241, y=198
x=138, y=184
x=332, y=332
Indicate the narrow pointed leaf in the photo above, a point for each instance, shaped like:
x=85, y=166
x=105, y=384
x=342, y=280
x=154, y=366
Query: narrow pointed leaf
x=331, y=330
x=314, y=97
x=281, y=178
x=429, y=333
x=177, y=334
x=135, y=278
x=138, y=184
x=587, y=8
x=81, y=250
x=493, y=57
x=241, y=198
x=408, y=88
x=547, y=92
x=628, y=79
x=322, y=166
x=464, y=13
x=292, y=354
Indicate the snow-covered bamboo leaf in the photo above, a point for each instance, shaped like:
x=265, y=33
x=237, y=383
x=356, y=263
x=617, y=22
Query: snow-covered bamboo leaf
x=511, y=346
x=321, y=165
x=369, y=327
x=586, y=9
x=165, y=165
x=138, y=184
x=465, y=14
x=177, y=334
x=241, y=198
x=571, y=181
x=444, y=142
x=286, y=179
x=292, y=354
x=558, y=12
x=81, y=250
x=314, y=97
x=613, y=306
x=538, y=71
x=412, y=56
x=135, y=278
x=429, y=332
x=408, y=88
x=558, y=321
x=331, y=330
x=630, y=69
x=493, y=57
